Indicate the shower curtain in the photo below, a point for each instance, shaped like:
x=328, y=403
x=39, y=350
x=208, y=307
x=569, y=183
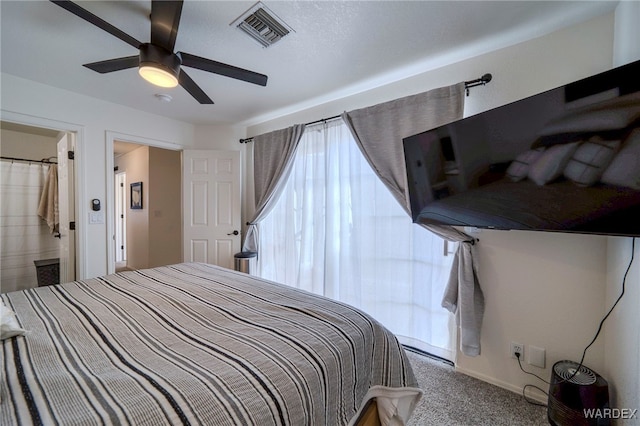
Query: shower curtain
x=24, y=236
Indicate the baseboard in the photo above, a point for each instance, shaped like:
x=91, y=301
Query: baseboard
x=531, y=393
x=428, y=355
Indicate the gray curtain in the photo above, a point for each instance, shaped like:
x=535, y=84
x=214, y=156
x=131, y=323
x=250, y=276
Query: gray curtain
x=273, y=155
x=379, y=131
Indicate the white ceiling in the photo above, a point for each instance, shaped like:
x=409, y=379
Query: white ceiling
x=337, y=49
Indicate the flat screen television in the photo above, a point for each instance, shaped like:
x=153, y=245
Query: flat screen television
x=564, y=160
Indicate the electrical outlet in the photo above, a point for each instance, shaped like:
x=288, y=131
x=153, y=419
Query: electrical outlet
x=517, y=347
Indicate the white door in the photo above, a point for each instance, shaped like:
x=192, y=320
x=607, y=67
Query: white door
x=211, y=206
x=121, y=218
x=66, y=208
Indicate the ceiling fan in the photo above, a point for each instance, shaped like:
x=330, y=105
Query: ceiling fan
x=157, y=62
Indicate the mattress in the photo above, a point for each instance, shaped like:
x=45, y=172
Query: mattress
x=196, y=344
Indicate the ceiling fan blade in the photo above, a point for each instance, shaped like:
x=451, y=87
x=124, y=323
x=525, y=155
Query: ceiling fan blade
x=111, y=65
x=215, y=67
x=98, y=22
x=193, y=89
x=165, y=19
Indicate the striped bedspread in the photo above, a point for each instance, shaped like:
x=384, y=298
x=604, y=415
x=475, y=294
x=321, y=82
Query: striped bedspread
x=194, y=344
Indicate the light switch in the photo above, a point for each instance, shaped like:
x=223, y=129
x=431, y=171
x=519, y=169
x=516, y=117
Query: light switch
x=96, y=217
x=537, y=356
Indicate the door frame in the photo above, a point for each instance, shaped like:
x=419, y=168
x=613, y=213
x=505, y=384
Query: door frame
x=120, y=222
x=67, y=198
x=81, y=204
x=110, y=138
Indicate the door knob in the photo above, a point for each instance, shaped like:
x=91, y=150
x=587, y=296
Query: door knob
x=234, y=233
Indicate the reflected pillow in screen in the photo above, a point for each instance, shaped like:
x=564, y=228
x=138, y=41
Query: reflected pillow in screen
x=624, y=169
x=551, y=163
x=590, y=160
x=519, y=168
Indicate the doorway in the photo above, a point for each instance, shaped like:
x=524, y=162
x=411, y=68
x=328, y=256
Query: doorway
x=165, y=246
x=38, y=208
x=145, y=209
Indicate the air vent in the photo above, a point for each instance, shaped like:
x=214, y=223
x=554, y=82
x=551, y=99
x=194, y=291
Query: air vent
x=262, y=25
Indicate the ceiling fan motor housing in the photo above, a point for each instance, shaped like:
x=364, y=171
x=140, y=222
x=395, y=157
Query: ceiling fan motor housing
x=575, y=398
x=153, y=55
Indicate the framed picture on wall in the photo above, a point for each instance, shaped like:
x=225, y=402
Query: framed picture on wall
x=136, y=195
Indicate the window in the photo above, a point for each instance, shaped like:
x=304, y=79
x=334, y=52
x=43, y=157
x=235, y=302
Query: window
x=337, y=231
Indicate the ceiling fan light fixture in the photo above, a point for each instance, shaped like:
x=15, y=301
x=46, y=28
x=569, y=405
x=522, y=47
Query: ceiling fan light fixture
x=159, y=66
x=157, y=76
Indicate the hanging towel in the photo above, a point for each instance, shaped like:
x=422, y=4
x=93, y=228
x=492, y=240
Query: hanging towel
x=463, y=297
x=48, y=208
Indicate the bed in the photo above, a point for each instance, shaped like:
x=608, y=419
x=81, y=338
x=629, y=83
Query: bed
x=197, y=344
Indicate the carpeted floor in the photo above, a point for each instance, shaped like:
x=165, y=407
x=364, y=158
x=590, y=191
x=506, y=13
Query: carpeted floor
x=455, y=399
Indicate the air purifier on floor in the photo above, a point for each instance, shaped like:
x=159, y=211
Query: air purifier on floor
x=577, y=396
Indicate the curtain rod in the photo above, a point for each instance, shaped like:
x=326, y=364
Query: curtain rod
x=43, y=161
x=467, y=85
x=477, y=82
x=322, y=120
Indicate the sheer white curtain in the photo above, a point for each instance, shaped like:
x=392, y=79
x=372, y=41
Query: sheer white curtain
x=337, y=230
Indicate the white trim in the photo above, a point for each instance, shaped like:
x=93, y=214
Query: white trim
x=110, y=138
x=447, y=354
x=532, y=394
x=79, y=175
